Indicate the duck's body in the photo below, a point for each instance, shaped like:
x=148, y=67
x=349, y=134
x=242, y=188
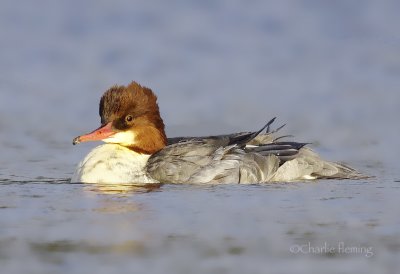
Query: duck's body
x=138, y=151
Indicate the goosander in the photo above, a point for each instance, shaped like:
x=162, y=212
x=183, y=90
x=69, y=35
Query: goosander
x=136, y=150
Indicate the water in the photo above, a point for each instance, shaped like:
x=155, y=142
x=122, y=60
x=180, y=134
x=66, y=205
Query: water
x=329, y=69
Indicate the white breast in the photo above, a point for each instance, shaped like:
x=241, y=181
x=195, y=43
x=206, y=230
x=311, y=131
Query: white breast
x=112, y=163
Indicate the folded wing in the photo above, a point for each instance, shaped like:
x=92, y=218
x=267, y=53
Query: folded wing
x=246, y=157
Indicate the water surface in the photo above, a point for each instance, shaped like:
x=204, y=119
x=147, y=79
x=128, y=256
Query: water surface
x=329, y=69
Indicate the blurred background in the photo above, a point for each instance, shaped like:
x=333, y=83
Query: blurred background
x=330, y=70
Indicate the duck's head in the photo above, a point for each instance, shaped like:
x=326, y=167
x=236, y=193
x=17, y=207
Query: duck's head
x=129, y=117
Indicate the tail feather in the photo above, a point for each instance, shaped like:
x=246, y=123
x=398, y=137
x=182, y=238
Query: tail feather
x=328, y=170
x=342, y=172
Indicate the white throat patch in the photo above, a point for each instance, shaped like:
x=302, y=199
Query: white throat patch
x=124, y=138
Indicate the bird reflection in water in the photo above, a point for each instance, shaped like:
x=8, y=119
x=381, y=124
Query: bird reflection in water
x=117, y=198
x=121, y=188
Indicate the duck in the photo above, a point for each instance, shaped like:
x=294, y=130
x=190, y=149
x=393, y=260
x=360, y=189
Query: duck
x=136, y=150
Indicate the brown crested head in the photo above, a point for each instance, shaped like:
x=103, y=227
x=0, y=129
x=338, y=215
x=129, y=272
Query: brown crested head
x=130, y=116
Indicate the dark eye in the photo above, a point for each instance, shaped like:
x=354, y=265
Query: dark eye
x=129, y=118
